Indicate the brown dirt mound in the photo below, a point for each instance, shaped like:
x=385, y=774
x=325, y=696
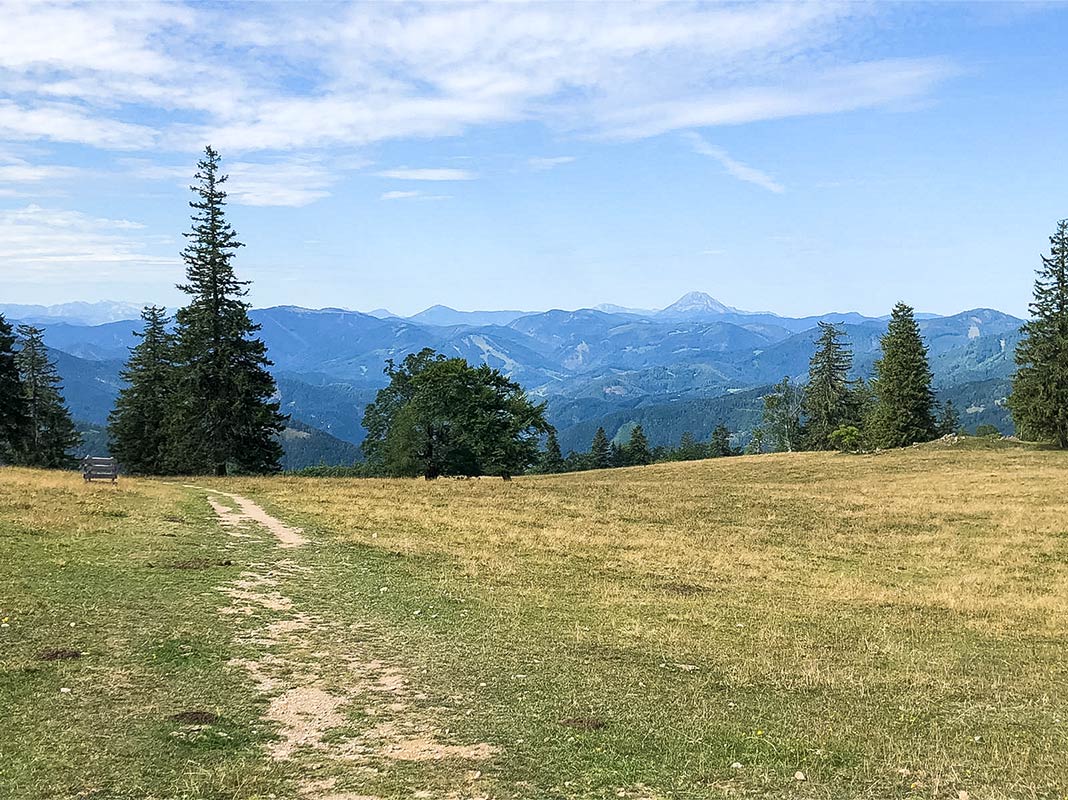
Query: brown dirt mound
x=58, y=655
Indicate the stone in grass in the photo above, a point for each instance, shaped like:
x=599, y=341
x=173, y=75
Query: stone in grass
x=800, y=776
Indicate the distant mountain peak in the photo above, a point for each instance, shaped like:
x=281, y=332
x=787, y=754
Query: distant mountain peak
x=693, y=303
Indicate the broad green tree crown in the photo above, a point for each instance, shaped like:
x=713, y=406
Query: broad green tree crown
x=441, y=416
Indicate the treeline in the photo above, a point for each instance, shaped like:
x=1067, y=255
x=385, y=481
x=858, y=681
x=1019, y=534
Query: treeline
x=832, y=411
x=606, y=454
x=36, y=429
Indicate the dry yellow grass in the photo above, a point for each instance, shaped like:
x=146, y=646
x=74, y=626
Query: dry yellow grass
x=895, y=623
x=888, y=626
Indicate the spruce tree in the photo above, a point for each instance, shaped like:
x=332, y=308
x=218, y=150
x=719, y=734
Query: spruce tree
x=1039, y=398
x=13, y=419
x=904, y=403
x=137, y=427
x=690, y=449
x=600, y=451
x=827, y=400
x=637, y=449
x=223, y=413
x=720, y=444
x=50, y=432
x=949, y=421
x=552, y=459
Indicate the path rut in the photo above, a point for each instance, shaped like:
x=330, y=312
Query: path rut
x=308, y=711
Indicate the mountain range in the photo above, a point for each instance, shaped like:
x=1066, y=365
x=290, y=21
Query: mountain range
x=685, y=367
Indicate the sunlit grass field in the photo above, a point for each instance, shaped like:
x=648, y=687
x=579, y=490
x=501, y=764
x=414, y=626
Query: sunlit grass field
x=802, y=625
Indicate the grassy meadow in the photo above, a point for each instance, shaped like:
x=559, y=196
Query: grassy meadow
x=797, y=625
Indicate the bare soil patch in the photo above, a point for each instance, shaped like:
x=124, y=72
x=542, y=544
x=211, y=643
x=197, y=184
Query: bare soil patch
x=195, y=717
x=59, y=655
x=292, y=645
x=584, y=723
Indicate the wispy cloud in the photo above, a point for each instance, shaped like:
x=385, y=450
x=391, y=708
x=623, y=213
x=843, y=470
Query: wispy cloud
x=41, y=244
x=413, y=196
x=443, y=174
x=371, y=72
x=289, y=181
x=549, y=162
x=737, y=169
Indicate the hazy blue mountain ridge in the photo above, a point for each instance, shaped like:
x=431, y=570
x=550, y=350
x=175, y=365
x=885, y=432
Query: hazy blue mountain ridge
x=591, y=365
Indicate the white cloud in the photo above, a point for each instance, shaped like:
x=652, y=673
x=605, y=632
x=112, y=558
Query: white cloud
x=295, y=182
x=445, y=174
x=277, y=77
x=737, y=169
x=52, y=245
x=63, y=122
x=549, y=163
x=413, y=196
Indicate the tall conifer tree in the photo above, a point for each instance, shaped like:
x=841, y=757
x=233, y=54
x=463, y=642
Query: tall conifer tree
x=552, y=459
x=949, y=419
x=223, y=413
x=828, y=401
x=13, y=420
x=50, y=432
x=137, y=427
x=637, y=450
x=1039, y=399
x=720, y=443
x=904, y=403
x=600, y=450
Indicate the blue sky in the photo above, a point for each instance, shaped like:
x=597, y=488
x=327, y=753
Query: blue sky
x=797, y=158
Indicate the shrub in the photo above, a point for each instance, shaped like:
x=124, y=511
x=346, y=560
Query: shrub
x=847, y=439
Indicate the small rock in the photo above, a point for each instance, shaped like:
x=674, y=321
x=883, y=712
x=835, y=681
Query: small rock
x=736, y=765
x=799, y=776
x=65, y=690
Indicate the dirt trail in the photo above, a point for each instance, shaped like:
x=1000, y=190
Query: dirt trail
x=250, y=512
x=364, y=693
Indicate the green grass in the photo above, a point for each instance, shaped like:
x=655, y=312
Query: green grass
x=87, y=568
x=891, y=626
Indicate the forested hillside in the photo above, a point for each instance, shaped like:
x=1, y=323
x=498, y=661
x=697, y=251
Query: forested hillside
x=684, y=369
